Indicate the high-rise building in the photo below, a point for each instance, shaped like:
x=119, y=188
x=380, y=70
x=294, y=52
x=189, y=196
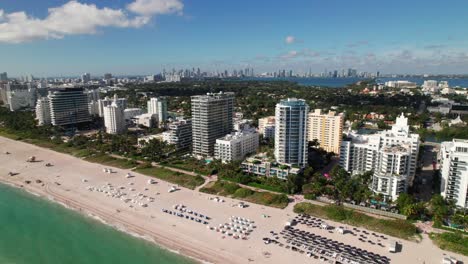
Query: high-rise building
x=107, y=76
x=158, y=107
x=454, y=171
x=43, y=111
x=3, y=77
x=68, y=106
x=291, y=132
x=327, y=129
x=19, y=96
x=122, y=102
x=86, y=78
x=114, y=119
x=212, y=118
x=391, y=154
x=179, y=133
x=237, y=145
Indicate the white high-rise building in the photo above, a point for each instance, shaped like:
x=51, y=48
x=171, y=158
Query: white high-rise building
x=43, y=111
x=454, y=171
x=291, y=132
x=391, y=154
x=179, y=133
x=430, y=86
x=19, y=96
x=327, y=129
x=158, y=107
x=122, y=102
x=212, y=118
x=114, y=119
x=236, y=146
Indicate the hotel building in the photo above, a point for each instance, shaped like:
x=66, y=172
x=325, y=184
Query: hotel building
x=327, y=129
x=454, y=171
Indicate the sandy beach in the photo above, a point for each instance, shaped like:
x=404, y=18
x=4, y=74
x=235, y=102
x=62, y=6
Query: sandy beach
x=69, y=179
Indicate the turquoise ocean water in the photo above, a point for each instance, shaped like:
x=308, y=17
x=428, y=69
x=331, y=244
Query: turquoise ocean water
x=36, y=231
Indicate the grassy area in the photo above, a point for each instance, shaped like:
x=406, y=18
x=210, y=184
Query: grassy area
x=111, y=161
x=266, y=187
x=455, y=242
x=184, y=180
x=229, y=189
x=193, y=165
x=397, y=228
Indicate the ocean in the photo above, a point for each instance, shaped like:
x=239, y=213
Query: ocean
x=34, y=230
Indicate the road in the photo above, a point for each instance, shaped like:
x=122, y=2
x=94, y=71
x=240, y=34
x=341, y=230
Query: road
x=423, y=180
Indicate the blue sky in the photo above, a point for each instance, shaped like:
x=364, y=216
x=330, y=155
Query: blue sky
x=145, y=36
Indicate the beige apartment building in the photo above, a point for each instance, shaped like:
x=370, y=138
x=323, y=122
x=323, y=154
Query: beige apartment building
x=327, y=129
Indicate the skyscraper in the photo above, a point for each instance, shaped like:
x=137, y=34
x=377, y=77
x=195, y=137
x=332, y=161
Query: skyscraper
x=3, y=77
x=114, y=119
x=211, y=119
x=158, y=107
x=43, y=111
x=122, y=102
x=391, y=154
x=85, y=78
x=327, y=129
x=291, y=132
x=68, y=106
x=19, y=96
x=454, y=171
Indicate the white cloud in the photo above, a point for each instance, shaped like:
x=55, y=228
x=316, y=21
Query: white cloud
x=156, y=7
x=290, y=39
x=75, y=18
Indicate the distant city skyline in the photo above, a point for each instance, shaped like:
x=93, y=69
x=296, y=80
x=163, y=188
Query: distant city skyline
x=142, y=37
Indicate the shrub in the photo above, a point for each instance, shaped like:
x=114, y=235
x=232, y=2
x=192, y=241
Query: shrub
x=243, y=192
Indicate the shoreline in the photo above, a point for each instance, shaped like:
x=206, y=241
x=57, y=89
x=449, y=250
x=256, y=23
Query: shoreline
x=103, y=220
x=64, y=183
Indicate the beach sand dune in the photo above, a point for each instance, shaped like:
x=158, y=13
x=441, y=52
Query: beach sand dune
x=69, y=179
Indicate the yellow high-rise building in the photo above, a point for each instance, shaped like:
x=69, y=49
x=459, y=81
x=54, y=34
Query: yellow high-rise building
x=327, y=129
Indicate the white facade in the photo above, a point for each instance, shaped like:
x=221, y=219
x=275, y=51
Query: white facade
x=391, y=154
x=179, y=134
x=43, y=111
x=291, y=132
x=130, y=113
x=114, y=120
x=454, y=171
x=327, y=129
x=122, y=102
x=401, y=84
x=93, y=108
x=236, y=146
x=158, y=107
x=146, y=120
x=20, y=96
x=430, y=86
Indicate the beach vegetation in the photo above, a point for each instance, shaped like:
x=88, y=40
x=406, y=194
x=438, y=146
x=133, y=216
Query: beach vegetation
x=233, y=190
x=393, y=227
